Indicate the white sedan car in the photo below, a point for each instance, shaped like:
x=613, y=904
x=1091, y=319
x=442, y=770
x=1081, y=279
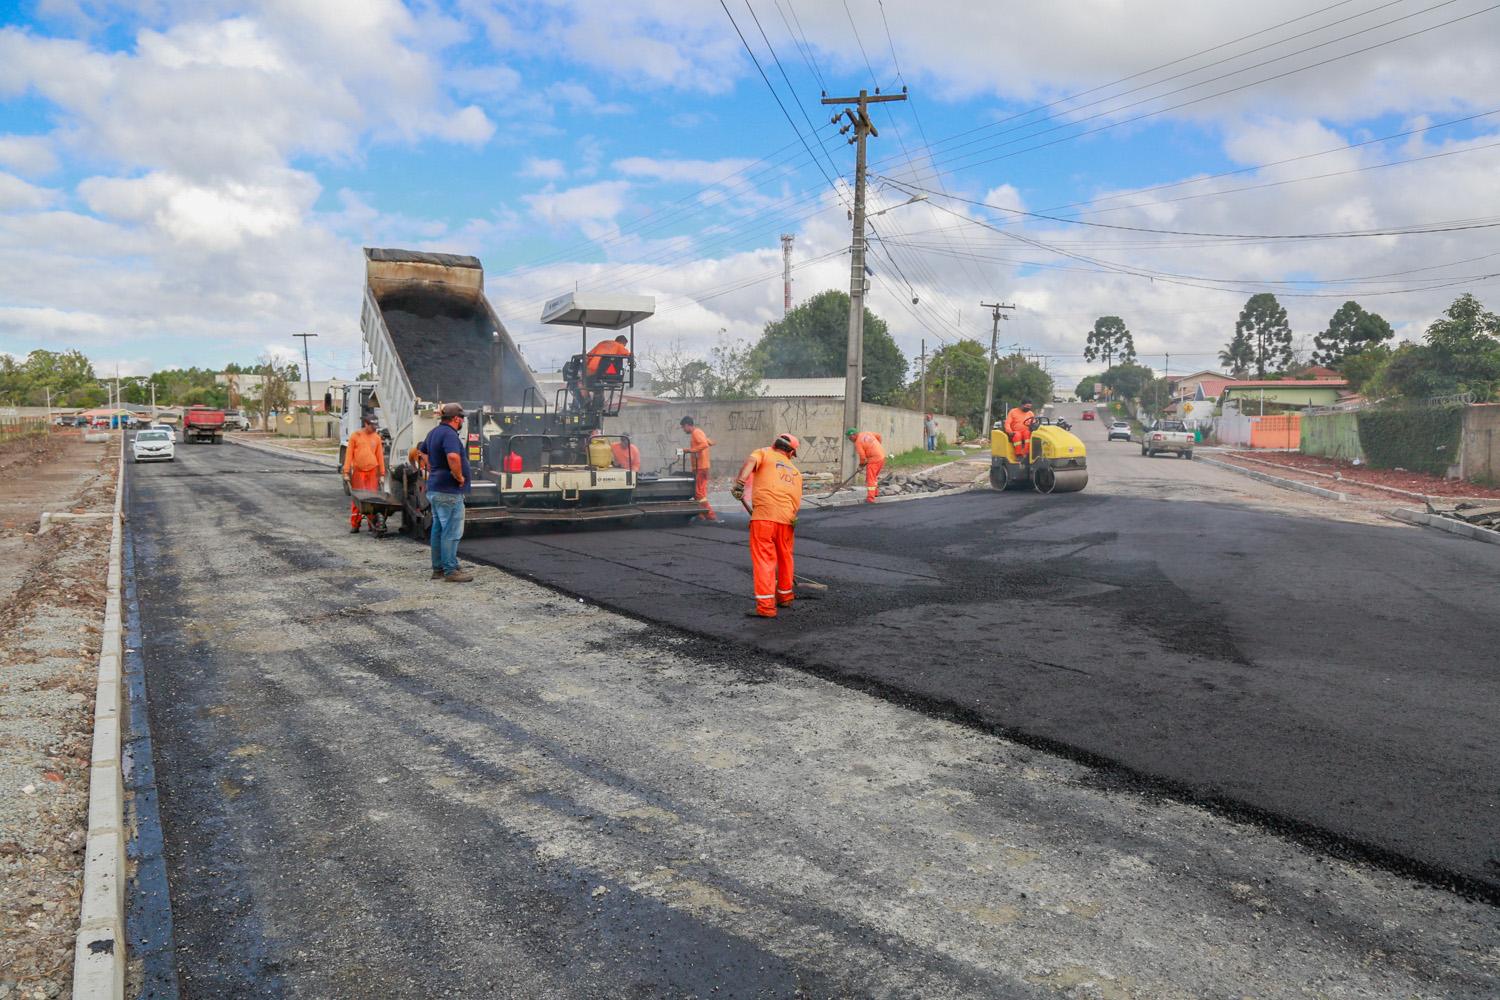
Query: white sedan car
x=154, y=446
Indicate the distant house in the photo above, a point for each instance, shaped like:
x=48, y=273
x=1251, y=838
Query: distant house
x=1186, y=386
x=1284, y=392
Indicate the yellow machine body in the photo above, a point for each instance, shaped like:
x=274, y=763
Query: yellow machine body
x=1058, y=462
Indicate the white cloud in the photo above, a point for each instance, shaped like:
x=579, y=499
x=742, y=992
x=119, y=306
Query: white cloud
x=598, y=202
x=547, y=170
x=30, y=154
x=17, y=194
x=681, y=171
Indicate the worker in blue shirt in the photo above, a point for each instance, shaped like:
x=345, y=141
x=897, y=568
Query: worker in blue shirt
x=447, y=482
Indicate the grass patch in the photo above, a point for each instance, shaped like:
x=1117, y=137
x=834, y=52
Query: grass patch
x=918, y=458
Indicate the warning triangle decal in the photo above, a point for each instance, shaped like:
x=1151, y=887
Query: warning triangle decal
x=526, y=485
x=610, y=370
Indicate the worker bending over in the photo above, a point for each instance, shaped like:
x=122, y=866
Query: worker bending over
x=770, y=489
x=871, y=454
x=625, y=455
x=1018, y=428
x=364, y=468
x=698, y=446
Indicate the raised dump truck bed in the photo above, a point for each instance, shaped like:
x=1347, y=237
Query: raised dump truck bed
x=435, y=339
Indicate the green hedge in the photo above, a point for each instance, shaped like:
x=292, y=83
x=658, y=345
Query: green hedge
x=1419, y=438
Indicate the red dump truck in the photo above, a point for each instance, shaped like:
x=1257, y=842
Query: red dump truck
x=202, y=423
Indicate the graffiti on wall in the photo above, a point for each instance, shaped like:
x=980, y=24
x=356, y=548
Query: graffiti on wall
x=746, y=420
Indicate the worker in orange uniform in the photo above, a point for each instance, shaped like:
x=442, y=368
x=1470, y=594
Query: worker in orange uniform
x=870, y=451
x=698, y=446
x=773, y=497
x=626, y=455
x=364, y=468
x=619, y=347
x=1018, y=428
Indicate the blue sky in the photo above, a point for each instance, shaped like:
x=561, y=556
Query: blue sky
x=190, y=183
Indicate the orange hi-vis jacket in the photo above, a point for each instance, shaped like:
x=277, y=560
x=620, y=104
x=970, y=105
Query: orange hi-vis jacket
x=626, y=458
x=1015, y=422
x=867, y=445
x=698, y=448
x=604, y=349
x=365, y=452
x=775, y=487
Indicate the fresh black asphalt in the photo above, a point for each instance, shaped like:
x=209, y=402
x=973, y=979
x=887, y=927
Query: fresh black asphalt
x=1335, y=680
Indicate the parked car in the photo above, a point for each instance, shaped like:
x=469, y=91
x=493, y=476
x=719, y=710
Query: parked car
x=1119, y=429
x=153, y=445
x=1088, y=414
x=1170, y=436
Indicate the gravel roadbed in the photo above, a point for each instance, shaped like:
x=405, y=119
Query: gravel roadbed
x=51, y=602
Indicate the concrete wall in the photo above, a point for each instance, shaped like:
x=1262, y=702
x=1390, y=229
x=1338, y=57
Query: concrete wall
x=738, y=427
x=1332, y=435
x=324, y=427
x=1479, y=445
x=1248, y=398
x=1278, y=431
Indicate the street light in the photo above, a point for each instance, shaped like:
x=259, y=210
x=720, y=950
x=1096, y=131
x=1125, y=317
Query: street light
x=910, y=201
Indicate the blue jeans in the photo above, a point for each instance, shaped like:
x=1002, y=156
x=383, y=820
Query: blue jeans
x=447, y=529
x=932, y=442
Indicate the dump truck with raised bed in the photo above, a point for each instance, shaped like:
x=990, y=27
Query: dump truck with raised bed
x=434, y=338
x=202, y=423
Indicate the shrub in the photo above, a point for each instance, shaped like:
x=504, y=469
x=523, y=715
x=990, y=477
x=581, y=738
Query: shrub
x=1420, y=438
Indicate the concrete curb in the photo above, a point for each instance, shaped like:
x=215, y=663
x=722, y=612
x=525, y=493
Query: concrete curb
x=327, y=461
x=1432, y=498
x=1286, y=484
x=99, y=950
x=1447, y=524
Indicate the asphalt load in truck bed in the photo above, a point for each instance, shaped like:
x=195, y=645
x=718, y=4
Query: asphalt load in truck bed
x=445, y=344
x=1341, y=685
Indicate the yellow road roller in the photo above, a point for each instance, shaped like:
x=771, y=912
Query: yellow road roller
x=1056, y=462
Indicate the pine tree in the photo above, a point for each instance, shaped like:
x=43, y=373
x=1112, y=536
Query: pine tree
x=1264, y=326
x=1351, y=330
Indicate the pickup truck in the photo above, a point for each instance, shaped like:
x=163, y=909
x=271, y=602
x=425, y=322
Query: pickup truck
x=236, y=420
x=202, y=423
x=1168, y=435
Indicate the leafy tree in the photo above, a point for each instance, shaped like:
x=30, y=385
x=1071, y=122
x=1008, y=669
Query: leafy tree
x=812, y=341
x=1016, y=379
x=1108, y=340
x=1238, y=355
x=1264, y=327
x=1127, y=380
x=1350, y=330
x=67, y=375
x=1364, y=367
x=1155, y=395
x=958, y=370
x=1461, y=354
x=1085, y=390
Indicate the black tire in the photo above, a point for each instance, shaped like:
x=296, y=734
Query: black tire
x=1144, y=452
x=1043, y=479
x=1188, y=455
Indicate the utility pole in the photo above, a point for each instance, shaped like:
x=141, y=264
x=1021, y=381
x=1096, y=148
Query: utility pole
x=307, y=376
x=945, y=389
x=923, y=356
x=860, y=122
x=786, y=272
x=989, y=385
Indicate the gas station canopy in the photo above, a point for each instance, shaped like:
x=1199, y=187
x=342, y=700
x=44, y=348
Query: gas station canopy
x=598, y=312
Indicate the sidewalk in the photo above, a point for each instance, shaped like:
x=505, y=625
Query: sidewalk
x=1359, y=481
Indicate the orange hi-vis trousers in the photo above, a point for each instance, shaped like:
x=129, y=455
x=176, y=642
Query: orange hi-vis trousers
x=872, y=478
x=367, y=480
x=1021, y=441
x=700, y=494
x=771, y=564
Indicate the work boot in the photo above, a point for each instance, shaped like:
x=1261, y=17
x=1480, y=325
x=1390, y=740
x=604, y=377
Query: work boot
x=437, y=574
x=757, y=614
x=458, y=576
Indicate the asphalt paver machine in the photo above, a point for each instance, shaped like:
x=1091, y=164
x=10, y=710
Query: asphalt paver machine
x=434, y=339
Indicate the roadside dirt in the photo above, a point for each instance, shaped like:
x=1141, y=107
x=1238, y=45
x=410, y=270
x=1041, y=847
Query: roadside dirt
x=1349, y=477
x=51, y=601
